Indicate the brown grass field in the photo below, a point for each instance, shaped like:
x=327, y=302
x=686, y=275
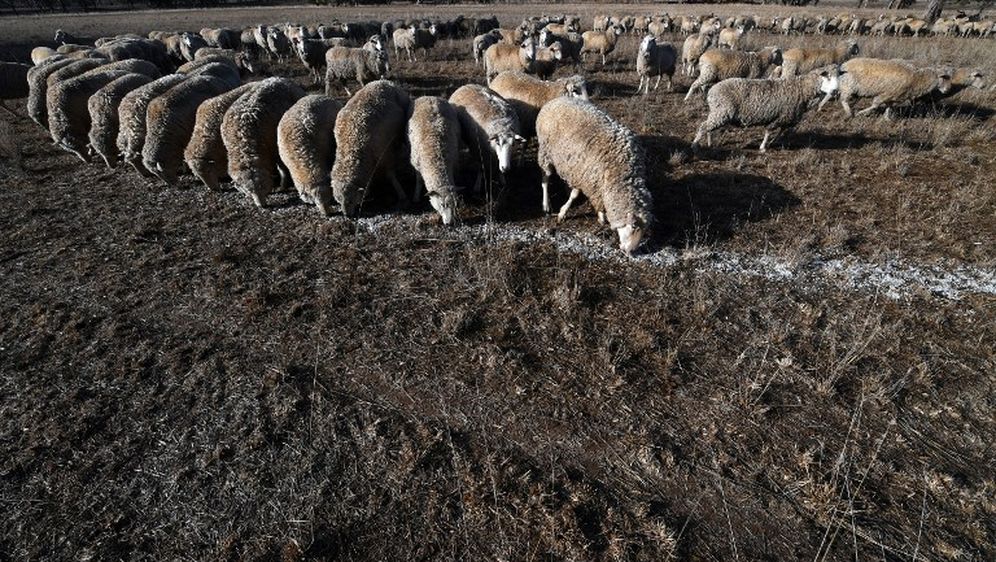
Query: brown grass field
x=782, y=377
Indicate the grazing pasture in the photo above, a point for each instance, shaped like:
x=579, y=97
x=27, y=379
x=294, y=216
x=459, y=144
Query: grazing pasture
x=799, y=363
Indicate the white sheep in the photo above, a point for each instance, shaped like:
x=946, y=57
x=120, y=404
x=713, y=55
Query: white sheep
x=103, y=108
x=720, y=64
x=528, y=94
x=888, y=83
x=205, y=154
x=608, y=167
x=131, y=118
x=490, y=127
x=434, y=138
x=655, y=59
x=502, y=57
x=306, y=144
x=601, y=42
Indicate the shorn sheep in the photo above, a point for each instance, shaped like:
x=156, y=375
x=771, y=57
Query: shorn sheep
x=720, y=64
x=490, y=125
x=528, y=94
x=249, y=131
x=655, y=59
x=434, y=138
x=601, y=42
x=306, y=144
x=205, y=154
x=799, y=61
x=608, y=167
x=347, y=63
x=169, y=123
x=131, y=118
x=777, y=104
x=502, y=57
x=68, y=115
x=369, y=138
x=103, y=108
x=888, y=83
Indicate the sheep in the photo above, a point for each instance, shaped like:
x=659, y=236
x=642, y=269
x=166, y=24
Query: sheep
x=659, y=26
x=277, y=43
x=369, y=137
x=152, y=51
x=169, y=123
x=360, y=64
x=799, y=61
x=63, y=37
x=888, y=83
x=219, y=67
x=730, y=37
x=243, y=62
x=692, y=50
x=720, y=64
x=13, y=82
x=68, y=115
x=306, y=145
x=490, y=126
x=40, y=54
x=249, y=131
x=502, y=57
x=608, y=167
x=132, y=118
x=961, y=78
x=103, y=108
x=570, y=45
x=190, y=44
x=602, y=42
x=547, y=59
x=528, y=94
x=655, y=59
x=222, y=38
x=434, y=138
x=412, y=38
x=312, y=54
x=205, y=153
x=777, y=104
x=512, y=36
x=41, y=78
x=70, y=48
x=482, y=42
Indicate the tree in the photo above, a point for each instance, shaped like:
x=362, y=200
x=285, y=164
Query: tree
x=934, y=8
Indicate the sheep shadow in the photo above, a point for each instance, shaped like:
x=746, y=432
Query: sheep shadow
x=708, y=208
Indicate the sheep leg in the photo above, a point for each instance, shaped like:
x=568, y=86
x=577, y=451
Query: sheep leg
x=567, y=206
x=845, y=102
x=656, y=84
x=764, y=143
x=546, y=190
x=419, y=185
x=601, y=218
x=875, y=105
x=823, y=102
x=696, y=85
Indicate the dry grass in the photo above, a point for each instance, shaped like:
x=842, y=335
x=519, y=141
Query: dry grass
x=183, y=376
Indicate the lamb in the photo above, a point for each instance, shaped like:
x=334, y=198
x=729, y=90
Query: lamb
x=68, y=116
x=693, y=48
x=608, y=167
x=412, y=38
x=528, y=94
x=13, y=82
x=490, y=126
x=502, y=57
x=434, y=138
x=347, y=63
x=720, y=64
x=655, y=59
x=482, y=42
x=799, y=61
x=602, y=42
x=306, y=144
x=888, y=83
x=40, y=54
x=205, y=153
x=547, y=59
x=249, y=131
x=777, y=104
x=103, y=109
x=369, y=138
x=169, y=123
x=730, y=37
x=132, y=118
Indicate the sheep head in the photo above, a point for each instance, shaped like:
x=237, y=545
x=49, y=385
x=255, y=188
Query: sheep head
x=502, y=145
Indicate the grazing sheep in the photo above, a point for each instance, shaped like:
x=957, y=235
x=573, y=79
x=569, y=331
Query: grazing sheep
x=799, y=61
x=68, y=115
x=730, y=37
x=205, y=154
x=13, y=82
x=607, y=167
x=169, y=123
x=369, y=137
x=490, y=126
x=306, y=144
x=547, y=59
x=347, y=63
x=412, y=38
x=190, y=44
x=39, y=54
x=222, y=38
x=655, y=59
x=528, y=94
x=602, y=42
x=720, y=64
x=38, y=87
x=482, y=42
x=692, y=50
x=249, y=131
x=502, y=57
x=219, y=67
x=64, y=37
x=103, y=108
x=777, y=104
x=888, y=83
x=132, y=118
x=243, y=62
x=434, y=138
x=145, y=49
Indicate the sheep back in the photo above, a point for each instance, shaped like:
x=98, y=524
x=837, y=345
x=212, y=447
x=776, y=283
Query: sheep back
x=103, y=108
x=68, y=115
x=132, y=117
x=205, y=154
x=306, y=144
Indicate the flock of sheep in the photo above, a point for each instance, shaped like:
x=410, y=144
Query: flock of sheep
x=169, y=100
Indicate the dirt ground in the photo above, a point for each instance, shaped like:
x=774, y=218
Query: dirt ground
x=184, y=376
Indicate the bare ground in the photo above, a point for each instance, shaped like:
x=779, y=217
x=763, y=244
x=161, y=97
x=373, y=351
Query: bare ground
x=183, y=376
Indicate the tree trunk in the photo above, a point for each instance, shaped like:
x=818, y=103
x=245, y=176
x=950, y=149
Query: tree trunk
x=933, y=12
